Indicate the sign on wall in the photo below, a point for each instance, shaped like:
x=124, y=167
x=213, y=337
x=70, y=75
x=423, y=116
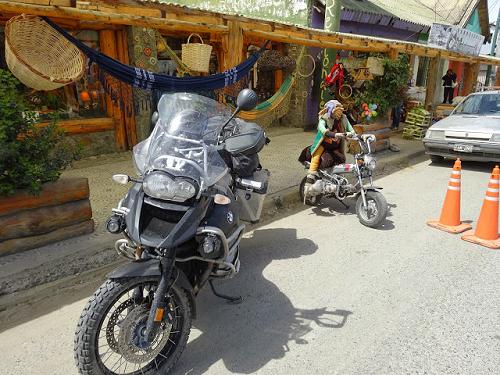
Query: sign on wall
x=456, y=39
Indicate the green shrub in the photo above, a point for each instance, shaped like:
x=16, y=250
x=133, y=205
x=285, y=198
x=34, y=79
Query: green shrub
x=390, y=89
x=29, y=156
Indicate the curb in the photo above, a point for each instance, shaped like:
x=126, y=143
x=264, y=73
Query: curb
x=37, y=291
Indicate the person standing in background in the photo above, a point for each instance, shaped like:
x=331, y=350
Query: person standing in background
x=449, y=83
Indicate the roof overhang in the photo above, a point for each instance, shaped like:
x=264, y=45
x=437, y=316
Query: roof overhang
x=180, y=19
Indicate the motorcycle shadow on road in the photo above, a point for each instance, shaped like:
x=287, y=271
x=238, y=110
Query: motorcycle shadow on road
x=332, y=207
x=249, y=335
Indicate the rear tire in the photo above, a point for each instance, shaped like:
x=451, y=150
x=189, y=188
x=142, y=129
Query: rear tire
x=88, y=335
x=377, y=207
x=436, y=159
x=310, y=201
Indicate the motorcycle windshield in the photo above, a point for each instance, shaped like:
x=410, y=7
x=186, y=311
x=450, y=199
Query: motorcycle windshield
x=184, y=139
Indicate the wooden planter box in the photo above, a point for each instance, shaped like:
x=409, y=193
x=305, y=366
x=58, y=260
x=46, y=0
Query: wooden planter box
x=61, y=211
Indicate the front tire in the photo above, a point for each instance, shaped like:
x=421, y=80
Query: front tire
x=376, y=211
x=118, y=304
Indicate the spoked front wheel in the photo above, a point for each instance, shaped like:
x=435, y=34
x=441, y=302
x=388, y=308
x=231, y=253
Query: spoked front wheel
x=110, y=338
x=376, y=209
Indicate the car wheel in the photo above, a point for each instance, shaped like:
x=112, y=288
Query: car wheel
x=436, y=159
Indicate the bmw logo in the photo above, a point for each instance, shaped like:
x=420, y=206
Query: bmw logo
x=230, y=217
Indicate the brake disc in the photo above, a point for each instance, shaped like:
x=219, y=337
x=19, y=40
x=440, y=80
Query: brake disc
x=113, y=321
x=132, y=343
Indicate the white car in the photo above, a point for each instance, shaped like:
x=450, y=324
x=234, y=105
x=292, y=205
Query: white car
x=471, y=132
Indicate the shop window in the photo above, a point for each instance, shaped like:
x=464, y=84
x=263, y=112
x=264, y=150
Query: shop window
x=82, y=99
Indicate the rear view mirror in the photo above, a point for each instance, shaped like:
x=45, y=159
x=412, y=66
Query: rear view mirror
x=247, y=100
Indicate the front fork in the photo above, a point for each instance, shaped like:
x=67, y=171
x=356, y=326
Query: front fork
x=159, y=304
x=362, y=187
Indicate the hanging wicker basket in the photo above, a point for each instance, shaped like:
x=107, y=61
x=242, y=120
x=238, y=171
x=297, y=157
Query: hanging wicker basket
x=196, y=55
x=39, y=56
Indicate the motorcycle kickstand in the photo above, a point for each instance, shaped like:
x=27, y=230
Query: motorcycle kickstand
x=229, y=299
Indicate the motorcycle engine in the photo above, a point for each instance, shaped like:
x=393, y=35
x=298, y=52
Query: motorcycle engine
x=316, y=188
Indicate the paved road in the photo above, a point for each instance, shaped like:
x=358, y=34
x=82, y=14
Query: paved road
x=324, y=294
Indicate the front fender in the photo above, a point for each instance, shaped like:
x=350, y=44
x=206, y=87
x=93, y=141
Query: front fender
x=151, y=267
x=369, y=188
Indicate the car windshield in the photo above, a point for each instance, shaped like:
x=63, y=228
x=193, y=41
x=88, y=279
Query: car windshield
x=482, y=104
x=184, y=139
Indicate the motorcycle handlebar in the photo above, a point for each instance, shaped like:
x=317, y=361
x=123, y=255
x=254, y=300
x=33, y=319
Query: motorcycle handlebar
x=369, y=138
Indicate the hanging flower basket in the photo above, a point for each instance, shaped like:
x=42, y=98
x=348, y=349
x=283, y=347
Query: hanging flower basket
x=39, y=56
x=273, y=60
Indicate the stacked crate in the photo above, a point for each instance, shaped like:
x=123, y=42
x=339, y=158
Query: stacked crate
x=417, y=122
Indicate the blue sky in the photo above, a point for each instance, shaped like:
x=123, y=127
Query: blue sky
x=493, y=9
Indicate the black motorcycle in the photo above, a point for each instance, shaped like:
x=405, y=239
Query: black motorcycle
x=199, y=178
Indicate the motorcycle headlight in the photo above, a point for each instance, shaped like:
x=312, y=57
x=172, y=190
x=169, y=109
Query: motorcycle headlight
x=370, y=162
x=161, y=186
x=184, y=190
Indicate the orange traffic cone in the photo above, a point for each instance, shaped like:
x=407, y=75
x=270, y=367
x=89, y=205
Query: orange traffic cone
x=486, y=233
x=450, y=214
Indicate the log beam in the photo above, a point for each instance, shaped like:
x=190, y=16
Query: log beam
x=110, y=18
x=53, y=193
x=108, y=46
x=84, y=125
x=432, y=76
x=253, y=28
x=126, y=90
x=471, y=72
x=393, y=54
x=232, y=45
x=26, y=243
x=34, y=222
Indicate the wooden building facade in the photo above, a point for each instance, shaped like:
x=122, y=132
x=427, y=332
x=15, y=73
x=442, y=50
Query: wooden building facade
x=127, y=30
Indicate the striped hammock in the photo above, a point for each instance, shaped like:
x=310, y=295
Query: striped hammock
x=277, y=105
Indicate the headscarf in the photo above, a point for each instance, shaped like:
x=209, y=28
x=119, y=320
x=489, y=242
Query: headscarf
x=329, y=107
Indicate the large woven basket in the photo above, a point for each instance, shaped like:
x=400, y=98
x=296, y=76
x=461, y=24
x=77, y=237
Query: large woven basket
x=196, y=55
x=39, y=56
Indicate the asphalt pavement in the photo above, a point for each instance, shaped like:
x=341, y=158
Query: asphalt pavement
x=324, y=294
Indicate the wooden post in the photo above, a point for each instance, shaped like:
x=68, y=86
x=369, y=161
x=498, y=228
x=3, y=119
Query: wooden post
x=232, y=45
x=126, y=91
x=108, y=46
x=412, y=64
x=432, y=76
x=393, y=54
x=278, y=74
x=470, y=78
